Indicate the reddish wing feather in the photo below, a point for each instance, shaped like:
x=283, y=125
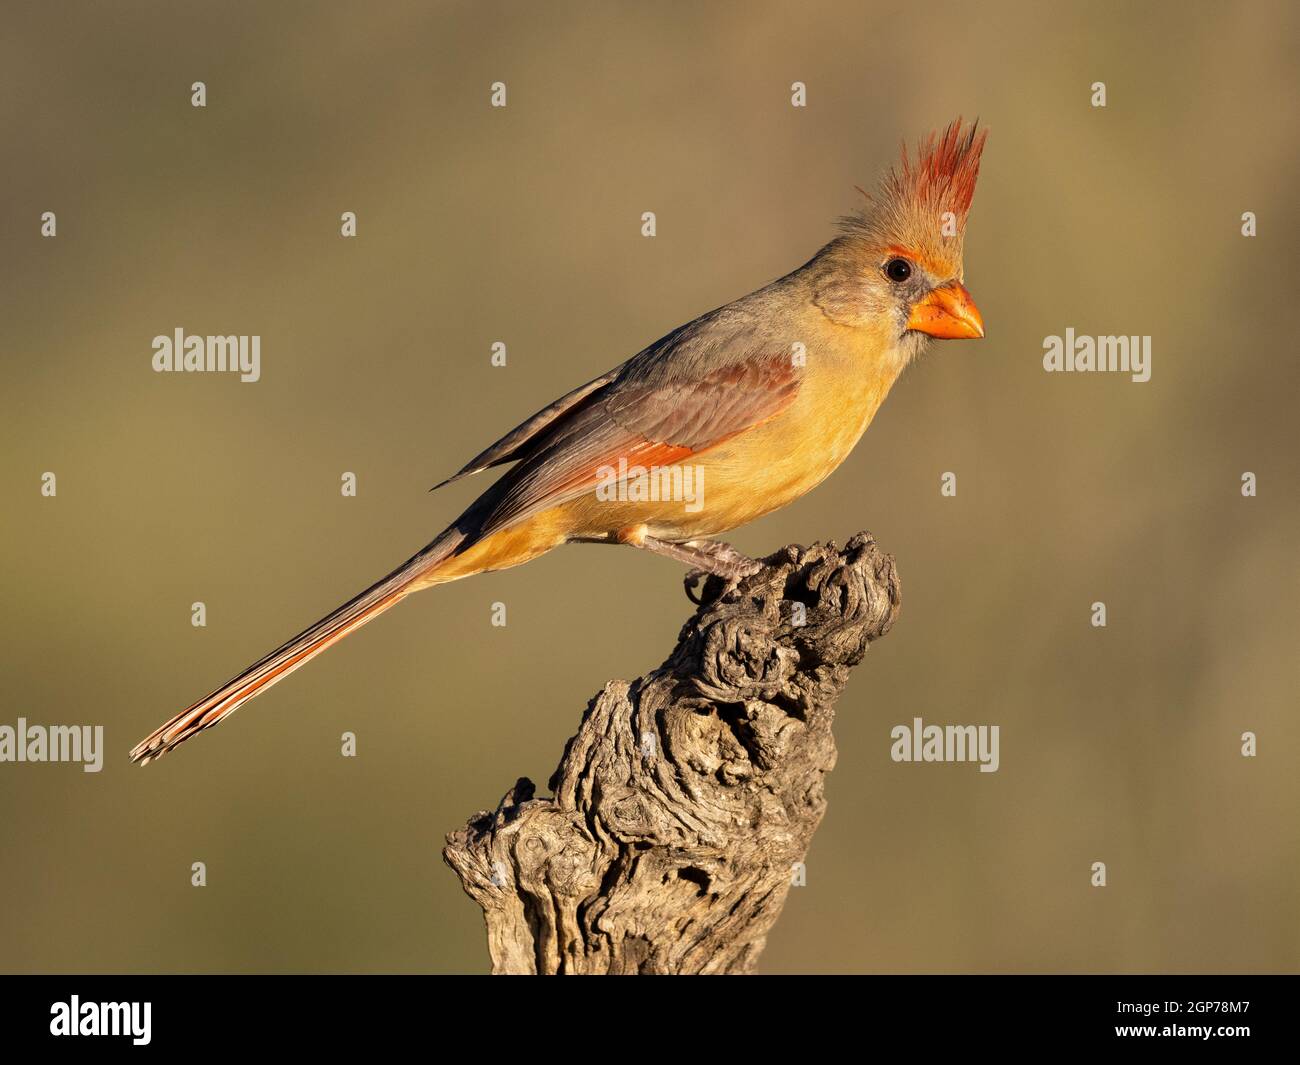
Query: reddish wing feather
x=648, y=423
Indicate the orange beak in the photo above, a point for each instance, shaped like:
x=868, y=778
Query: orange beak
x=947, y=312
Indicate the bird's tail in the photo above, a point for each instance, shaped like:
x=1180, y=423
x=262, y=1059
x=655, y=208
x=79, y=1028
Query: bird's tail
x=418, y=572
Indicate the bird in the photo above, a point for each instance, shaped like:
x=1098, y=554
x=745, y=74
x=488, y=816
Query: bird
x=752, y=405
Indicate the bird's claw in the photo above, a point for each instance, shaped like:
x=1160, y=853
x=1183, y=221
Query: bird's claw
x=731, y=571
x=691, y=580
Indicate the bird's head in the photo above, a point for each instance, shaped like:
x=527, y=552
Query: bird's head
x=898, y=263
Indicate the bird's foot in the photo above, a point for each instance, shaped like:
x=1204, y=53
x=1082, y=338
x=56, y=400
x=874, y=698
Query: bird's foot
x=717, y=560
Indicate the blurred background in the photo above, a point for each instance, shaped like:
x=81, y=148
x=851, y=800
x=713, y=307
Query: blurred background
x=522, y=225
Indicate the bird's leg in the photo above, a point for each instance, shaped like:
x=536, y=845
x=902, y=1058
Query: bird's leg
x=705, y=557
x=722, y=560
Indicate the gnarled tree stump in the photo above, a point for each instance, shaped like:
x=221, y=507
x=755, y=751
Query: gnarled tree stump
x=687, y=797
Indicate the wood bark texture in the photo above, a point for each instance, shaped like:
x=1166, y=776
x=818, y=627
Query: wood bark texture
x=687, y=797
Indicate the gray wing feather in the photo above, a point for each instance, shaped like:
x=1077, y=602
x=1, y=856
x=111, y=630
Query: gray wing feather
x=508, y=448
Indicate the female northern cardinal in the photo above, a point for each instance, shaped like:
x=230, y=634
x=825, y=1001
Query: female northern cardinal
x=757, y=401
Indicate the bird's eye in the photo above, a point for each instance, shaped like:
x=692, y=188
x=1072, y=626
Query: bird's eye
x=898, y=270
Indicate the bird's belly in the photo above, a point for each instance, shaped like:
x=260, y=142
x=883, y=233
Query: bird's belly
x=742, y=479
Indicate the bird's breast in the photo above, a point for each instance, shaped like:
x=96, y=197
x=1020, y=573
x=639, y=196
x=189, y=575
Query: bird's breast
x=776, y=462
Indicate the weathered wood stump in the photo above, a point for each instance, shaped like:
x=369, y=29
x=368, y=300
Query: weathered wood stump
x=687, y=796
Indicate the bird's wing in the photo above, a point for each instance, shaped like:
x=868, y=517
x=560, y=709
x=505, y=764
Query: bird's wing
x=666, y=405
x=508, y=448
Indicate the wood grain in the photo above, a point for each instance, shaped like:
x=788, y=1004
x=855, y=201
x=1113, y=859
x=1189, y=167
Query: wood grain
x=687, y=796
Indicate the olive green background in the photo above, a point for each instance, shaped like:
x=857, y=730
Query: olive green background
x=522, y=225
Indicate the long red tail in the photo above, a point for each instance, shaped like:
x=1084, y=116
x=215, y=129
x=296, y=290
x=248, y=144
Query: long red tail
x=265, y=672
